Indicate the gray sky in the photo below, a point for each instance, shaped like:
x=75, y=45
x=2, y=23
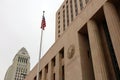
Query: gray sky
x=20, y=22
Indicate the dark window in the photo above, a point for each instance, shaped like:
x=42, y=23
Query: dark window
x=58, y=31
x=67, y=12
x=71, y=8
x=62, y=53
x=76, y=8
x=59, y=26
x=35, y=78
x=59, y=17
x=63, y=74
x=53, y=61
x=58, y=13
x=46, y=68
x=58, y=35
x=81, y=4
x=63, y=6
x=63, y=20
x=66, y=1
x=53, y=76
x=40, y=75
x=58, y=22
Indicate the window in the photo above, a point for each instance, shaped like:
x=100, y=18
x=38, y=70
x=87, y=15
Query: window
x=58, y=22
x=66, y=1
x=61, y=53
x=58, y=17
x=54, y=76
x=18, y=59
x=46, y=68
x=35, y=78
x=63, y=6
x=76, y=8
x=53, y=61
x=81, y=4
x=67, y=12
x=58, y=13
x=63, y=20
x=63, y=74
x=58, y=31
x=71, y=8
x=59, y=26
x=40, y=75
x=58, y=35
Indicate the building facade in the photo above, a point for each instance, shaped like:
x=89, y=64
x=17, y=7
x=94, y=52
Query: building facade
x=20, y=67
x=87, y=43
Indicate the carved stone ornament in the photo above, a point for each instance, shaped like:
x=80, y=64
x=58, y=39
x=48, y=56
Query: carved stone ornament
x=71, y=51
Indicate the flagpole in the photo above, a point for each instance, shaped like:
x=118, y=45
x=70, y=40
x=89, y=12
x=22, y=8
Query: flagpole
x=40, y=52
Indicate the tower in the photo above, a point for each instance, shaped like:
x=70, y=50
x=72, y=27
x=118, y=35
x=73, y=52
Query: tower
x=20, y=66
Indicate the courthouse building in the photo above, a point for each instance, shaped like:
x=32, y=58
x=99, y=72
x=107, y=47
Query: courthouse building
x=87, y=45
x=20, y=67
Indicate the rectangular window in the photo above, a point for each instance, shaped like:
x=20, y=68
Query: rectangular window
x=46, y=68
x=63, y=74
x=81, y=4
x=63, y=20
x=67, y=12
x=53, y=62
x=61, y=53
x=71, y=8
x=67, y=2
x=59, y=35
x=54, y=76
x=40, y=75
x=58, y=13
x=76, y=8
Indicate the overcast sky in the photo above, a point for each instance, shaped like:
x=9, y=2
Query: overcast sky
x=20, y=22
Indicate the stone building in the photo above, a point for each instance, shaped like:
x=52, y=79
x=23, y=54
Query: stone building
x=87, y=43
x=20, y=67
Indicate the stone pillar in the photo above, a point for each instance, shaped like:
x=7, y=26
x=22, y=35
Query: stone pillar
x=49, y=71
x=58, y=77
x=43, y=74
x=113, y=22
x=97, y=52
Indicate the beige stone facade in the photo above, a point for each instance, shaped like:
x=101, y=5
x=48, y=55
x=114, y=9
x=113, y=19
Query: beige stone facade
x=20, y=67
x=87, y=43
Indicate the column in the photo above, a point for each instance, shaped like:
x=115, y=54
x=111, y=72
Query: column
x=50, y=71
x=58, y=77
x=113, y=22
x=97, y=52
x=43, y=74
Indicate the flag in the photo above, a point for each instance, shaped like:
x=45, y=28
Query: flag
x=43, y=23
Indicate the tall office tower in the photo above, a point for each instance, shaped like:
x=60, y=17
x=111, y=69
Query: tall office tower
x=87, y=45
x=20, y=67
x=67, y=13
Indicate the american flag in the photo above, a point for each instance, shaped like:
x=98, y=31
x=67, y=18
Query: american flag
x=43, y=23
